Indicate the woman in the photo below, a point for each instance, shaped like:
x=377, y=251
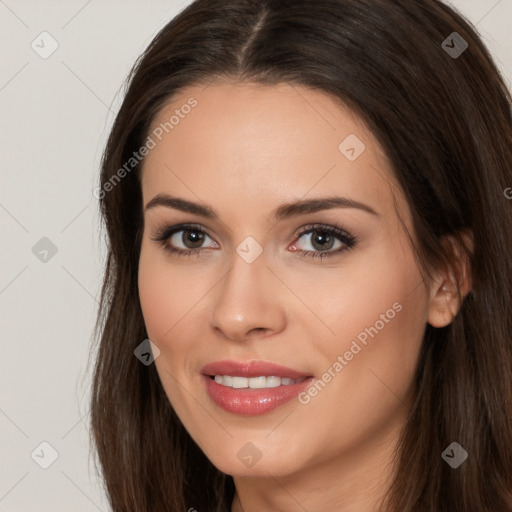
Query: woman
x=306, y=303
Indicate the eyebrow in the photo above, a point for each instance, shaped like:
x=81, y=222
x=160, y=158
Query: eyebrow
x=284, y=211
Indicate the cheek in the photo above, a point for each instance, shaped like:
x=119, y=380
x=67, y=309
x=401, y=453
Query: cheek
x=379, y=294
x=164, y=298
x=156, y=302
x=378, y=313
x=367, y=387
x=173, y=302
x=166, y=308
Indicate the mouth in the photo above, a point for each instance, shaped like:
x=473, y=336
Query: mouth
x=253, y=387
x=259, y=382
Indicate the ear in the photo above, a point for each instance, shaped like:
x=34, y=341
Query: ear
x=450, y=285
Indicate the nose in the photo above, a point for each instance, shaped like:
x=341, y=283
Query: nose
x=248, y=303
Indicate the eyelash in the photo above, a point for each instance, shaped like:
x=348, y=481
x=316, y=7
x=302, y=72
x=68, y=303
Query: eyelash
x=346, y=238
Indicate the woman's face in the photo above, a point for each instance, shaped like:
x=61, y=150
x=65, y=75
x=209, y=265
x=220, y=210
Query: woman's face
x=251, y=289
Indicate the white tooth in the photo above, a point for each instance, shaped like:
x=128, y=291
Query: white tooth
x=240, y=382
x=273, y=382
x=258, y=382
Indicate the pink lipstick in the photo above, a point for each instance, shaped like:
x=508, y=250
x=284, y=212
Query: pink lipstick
x=253, y=387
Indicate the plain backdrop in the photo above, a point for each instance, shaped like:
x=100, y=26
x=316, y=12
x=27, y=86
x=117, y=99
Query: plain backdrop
x=55, y=115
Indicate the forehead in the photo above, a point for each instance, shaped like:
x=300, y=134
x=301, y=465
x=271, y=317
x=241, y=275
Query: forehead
x=249, y=143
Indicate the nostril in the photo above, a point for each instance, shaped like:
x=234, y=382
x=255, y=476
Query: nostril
x=258, y=329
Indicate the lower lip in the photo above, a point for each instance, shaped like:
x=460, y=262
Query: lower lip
x=250, y=402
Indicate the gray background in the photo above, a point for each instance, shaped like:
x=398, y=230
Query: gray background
x=55, y=116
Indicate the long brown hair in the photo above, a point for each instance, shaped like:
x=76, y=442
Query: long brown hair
x=445, y=123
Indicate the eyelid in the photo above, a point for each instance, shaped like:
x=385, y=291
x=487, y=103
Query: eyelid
x=168, y=230
x=319, y=226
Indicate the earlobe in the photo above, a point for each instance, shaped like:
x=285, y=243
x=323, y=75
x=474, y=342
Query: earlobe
x=444, y=302
x=450, y=287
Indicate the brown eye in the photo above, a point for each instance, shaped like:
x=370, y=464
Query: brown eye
x=183, y=239
x=191, y=238
x=323, y=239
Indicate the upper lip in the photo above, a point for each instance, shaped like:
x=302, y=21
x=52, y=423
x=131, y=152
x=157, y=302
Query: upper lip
x=251, y=369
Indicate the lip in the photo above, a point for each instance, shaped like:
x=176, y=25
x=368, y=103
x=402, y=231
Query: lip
x=248, y=401
x=251, y=369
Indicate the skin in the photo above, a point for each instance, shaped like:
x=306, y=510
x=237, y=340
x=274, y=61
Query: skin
x=244, y=150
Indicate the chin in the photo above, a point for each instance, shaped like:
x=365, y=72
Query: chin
x=247, y=459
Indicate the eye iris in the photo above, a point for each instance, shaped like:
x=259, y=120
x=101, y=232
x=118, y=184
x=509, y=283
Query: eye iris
x=194, y=238
x=323, y=239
